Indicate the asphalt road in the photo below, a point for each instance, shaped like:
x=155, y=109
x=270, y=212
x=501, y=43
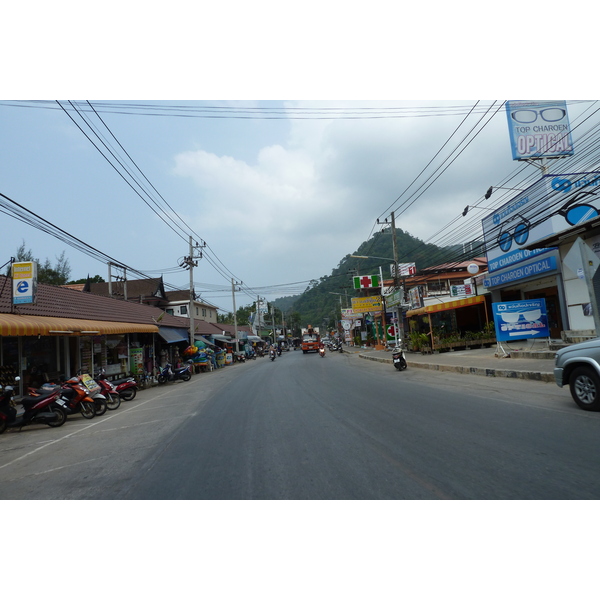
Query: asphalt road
x=306, y=427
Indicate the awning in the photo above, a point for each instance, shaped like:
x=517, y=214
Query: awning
x=223, y=338
x=442, y=306
x=199, y=338
x=254, y=338
x=17, y=325
x=173, y=334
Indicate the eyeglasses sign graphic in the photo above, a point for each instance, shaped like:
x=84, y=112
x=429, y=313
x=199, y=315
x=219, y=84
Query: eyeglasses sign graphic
x=539, y=128
x=520, y=319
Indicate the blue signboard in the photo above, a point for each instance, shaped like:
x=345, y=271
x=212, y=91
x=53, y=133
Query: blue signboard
x=538, y=267
x=520, y=319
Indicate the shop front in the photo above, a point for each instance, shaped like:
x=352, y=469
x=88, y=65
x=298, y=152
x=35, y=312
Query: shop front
x=445, y=325
x=539, y=277
x=40, y=349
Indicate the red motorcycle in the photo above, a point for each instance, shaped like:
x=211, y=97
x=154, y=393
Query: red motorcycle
x=47, y=408
x=113, y=398
x=126, y=387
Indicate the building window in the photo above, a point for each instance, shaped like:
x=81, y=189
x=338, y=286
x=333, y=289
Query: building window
x=169, y=311
x=196, y=311
x=203, y=312
x=183, y=310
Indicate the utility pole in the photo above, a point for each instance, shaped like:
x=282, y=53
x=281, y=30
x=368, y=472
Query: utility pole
x=189, y=262
x=233, y=284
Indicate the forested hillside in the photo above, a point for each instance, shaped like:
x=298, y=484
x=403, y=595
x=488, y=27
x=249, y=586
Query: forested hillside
x=320, y=303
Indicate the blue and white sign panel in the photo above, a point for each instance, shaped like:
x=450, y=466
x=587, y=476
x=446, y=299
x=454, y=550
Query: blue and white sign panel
x=538, y=129
x=553, y=204
x=520, y=319
x=543, y=266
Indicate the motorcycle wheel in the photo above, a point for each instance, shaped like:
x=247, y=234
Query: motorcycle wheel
x=87, y=410
x=162, y=379
x=128, y=394
x=61, y=417
x=186, y=376
x=113, y=401
x=3, y=426
x=100, y=406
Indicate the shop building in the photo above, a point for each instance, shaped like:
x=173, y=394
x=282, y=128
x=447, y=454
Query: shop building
x=68, y=330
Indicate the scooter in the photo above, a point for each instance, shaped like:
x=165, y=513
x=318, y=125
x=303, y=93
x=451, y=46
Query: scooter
x=78, y=398
x=47, y=408
x=398, y=358
x=272, y=354
x=170, y=374
x=113, y=398
x=322, y=352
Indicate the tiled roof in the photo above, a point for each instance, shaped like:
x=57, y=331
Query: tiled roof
x=56, y=301
x=146, y=288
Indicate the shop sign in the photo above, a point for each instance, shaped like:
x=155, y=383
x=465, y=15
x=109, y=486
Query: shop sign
x=395, y=298
x=462, y=290
x=366, y=281
x=539, y=267
x=404, y=269
x=551, y=206
x=24, y=277
x=367, y=304
x=520, y=319
x=416, y=297
x=538, y=129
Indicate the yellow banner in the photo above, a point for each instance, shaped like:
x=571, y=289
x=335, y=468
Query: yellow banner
x=368, y=304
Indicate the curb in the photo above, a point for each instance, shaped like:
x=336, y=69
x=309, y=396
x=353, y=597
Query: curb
x=481, y=371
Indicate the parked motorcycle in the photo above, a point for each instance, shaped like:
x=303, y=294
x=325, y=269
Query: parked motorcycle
x=113, y=398
x=45, y=408
x=398, y=358
x=126, y=387
x=78, y=398
x=170, y=374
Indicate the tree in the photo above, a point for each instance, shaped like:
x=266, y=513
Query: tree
x=53, y=275
x=94, y=279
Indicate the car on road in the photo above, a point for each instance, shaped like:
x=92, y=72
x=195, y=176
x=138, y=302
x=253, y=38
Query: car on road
x=578, y=367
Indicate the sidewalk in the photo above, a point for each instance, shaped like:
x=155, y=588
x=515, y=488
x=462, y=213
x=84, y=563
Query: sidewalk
x=529, y=362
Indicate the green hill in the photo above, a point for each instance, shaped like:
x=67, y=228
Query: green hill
x=320, y=305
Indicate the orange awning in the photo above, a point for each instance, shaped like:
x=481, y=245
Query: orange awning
x=17, y=325
x=442, y=306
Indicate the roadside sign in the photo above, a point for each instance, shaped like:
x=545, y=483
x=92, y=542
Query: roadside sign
x=520, y=319
x=366, y=304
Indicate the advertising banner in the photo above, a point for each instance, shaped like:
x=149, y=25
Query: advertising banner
x=24, y=278
x=552, y=205
x=538, y=129
x=368, y=304
x=416, y=297
x=404, y=269
x=520, y=319
x=462, y=290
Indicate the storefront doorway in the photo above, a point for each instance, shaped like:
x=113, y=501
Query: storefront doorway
x=552, y=308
